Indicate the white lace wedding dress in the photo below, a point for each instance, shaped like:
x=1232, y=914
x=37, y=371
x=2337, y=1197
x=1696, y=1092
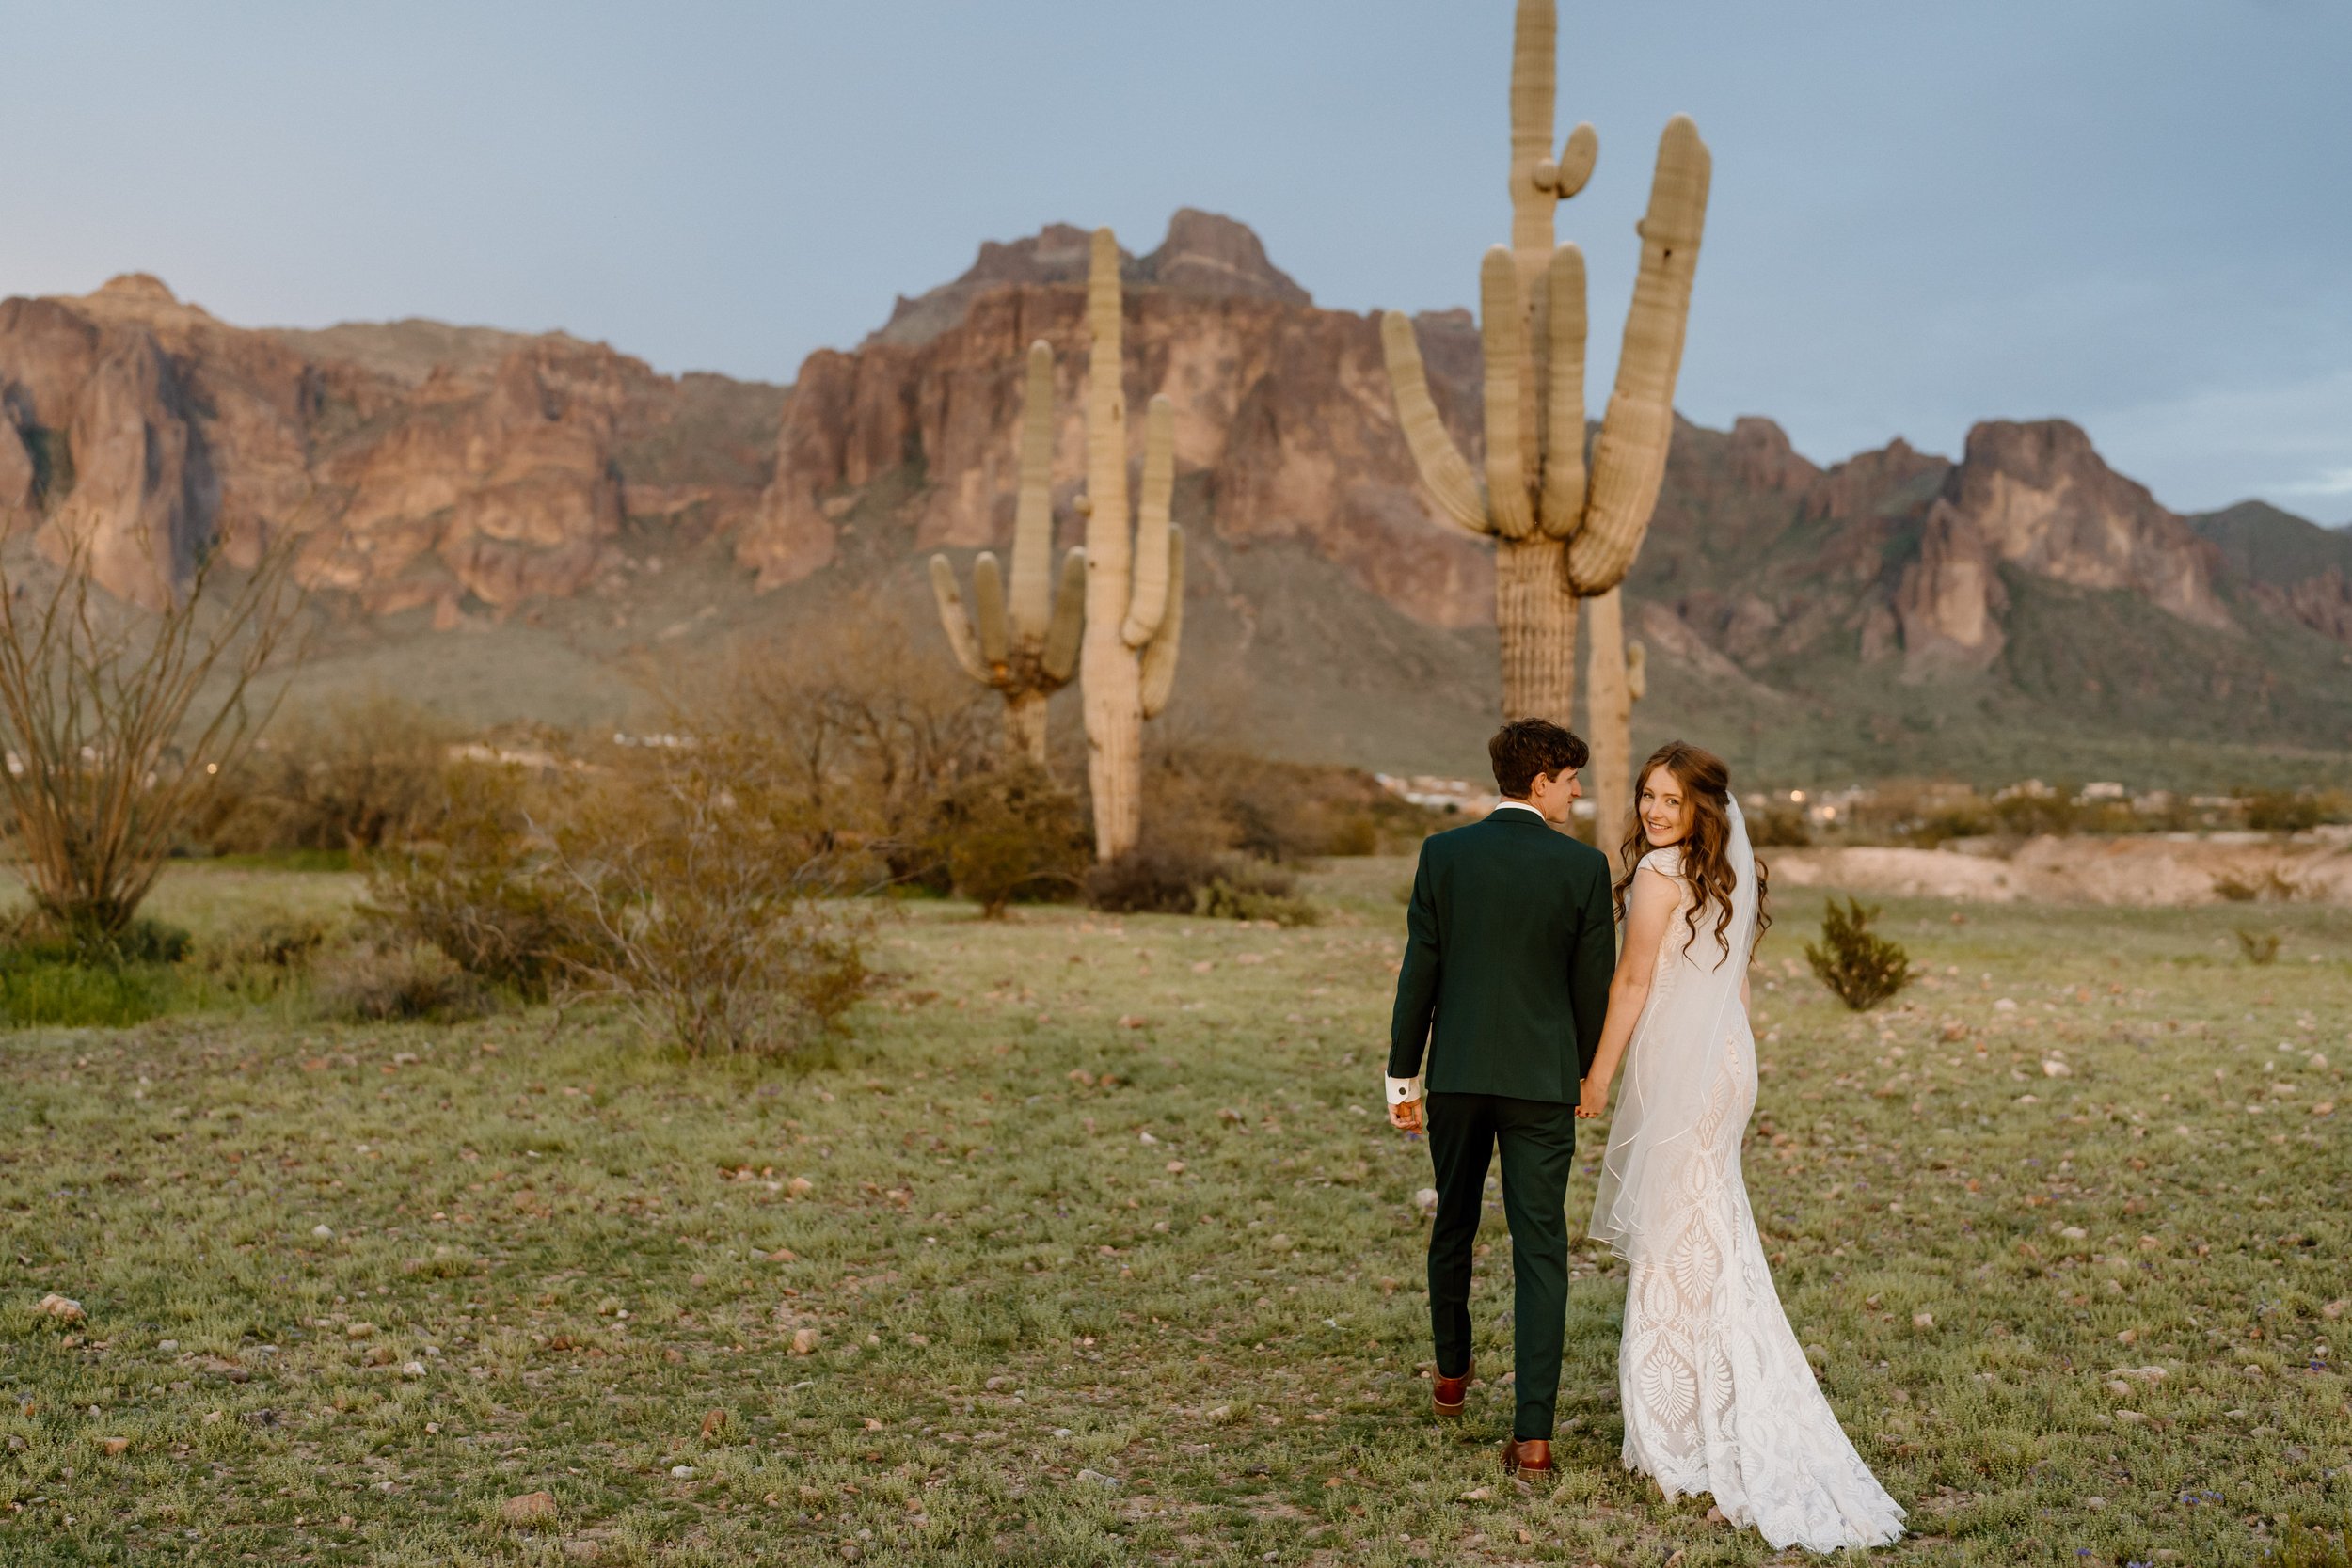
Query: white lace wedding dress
x=1717, y=1394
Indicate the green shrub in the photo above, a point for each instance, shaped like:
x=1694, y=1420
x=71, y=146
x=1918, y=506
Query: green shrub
x=1007, y=834
x=1779, y=827
x=2259, y=948
x=2279, y=811
x=1245, y=889
x=1862, y=968
x=68, y=993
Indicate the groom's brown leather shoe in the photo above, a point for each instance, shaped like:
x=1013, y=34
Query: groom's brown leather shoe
x=1446, y=1393
x=1532, y=1456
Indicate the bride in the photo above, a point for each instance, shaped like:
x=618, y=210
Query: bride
x=1717, y=1394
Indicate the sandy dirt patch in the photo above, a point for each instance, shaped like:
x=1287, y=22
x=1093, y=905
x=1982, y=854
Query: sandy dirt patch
x=2147, y=870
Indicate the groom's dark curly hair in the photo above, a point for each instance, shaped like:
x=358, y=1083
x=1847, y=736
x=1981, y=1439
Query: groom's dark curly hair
x=1525, y=748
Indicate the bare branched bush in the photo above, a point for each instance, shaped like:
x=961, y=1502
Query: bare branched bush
x=693, y=884
x=704, y=887
x=356, y=774
x=120, y=719
x=869, y=726
x=478, y=883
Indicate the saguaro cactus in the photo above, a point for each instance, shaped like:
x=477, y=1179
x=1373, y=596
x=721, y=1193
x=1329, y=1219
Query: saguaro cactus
x=1560, y=533
x=1135, y=585
x=1027, y=649
x=1616, y=676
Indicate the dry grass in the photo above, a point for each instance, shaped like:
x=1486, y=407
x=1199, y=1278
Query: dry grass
x=1006, y=1282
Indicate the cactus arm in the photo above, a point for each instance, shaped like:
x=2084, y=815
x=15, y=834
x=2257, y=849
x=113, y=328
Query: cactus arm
x=1577, y=157
x=1070, y=612
x=957, y=623
x=1564, y=441
x=988, y=611
x=1033, y=513
x=1159, y=654
x=1630, y=458
x=1502, y=326
x=1440, y=463
x=1148, y=600
x=1636, y=671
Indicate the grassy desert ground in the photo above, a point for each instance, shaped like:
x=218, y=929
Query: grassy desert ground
x=1092, y=1246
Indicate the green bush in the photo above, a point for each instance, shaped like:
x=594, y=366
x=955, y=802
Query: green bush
x=1247, y=893
x=2259, y=948
x=69, y=993
x=1008, y=833
x=2279, y=811
x=1860, y=966
x=1779, y=827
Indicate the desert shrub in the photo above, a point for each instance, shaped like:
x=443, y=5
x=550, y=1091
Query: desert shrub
x=2279, y=810
x=2271, y=885
x=700, y=888
x=864, y=717
x=1939, y=828
x=1247, y=891
x=1159, y=876
x=260, y=960
x=1007, y=834
x=1277, y=810
x=355, y=775
x=2258, y=947
x=2317, y=1544
x=389, y=982
x=480, y=884
x=1860, y=966
x=2034, y=816
x=1779, y=827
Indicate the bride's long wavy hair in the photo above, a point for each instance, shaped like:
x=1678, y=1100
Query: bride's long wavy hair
x=1706, y=847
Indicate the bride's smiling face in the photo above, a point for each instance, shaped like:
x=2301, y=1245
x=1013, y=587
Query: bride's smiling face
x=1664, y=809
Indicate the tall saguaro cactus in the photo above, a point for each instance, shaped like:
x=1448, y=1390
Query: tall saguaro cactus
x=1135, y=584
x=1561, y=533
x=1616, y=676
x=1028, y=648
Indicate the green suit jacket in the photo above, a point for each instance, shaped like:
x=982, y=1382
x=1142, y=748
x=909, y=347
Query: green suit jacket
x=1510, y=943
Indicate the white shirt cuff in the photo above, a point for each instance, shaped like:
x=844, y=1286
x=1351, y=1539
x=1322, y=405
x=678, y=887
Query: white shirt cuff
x=1403, y=1089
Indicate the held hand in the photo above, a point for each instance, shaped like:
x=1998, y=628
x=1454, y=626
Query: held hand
x=1404, y=1116
x=1594, y=1101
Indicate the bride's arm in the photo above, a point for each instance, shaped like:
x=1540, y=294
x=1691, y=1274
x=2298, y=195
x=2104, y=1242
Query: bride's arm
x=1654, y=900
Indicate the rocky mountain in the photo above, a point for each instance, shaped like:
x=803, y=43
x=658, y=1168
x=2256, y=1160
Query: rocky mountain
x=505, y=524
x=422, y=465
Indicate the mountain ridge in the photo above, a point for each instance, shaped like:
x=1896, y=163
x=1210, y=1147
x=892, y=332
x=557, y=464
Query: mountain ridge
x=1898, y=610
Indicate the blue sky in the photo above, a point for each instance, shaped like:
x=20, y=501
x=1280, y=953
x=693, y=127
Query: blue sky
x=2135, y=214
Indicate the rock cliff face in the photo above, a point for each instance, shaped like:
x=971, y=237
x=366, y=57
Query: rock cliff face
x=1281, y=410
x=145, y=430
x=2037, y=498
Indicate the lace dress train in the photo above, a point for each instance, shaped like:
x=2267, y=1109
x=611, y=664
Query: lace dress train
x=1717, y=1394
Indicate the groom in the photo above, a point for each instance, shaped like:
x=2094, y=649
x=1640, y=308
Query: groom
x=1510, y=942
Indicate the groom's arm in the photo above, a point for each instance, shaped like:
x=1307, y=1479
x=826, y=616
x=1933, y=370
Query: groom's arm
x=1590, y=968
x=1415, y=978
